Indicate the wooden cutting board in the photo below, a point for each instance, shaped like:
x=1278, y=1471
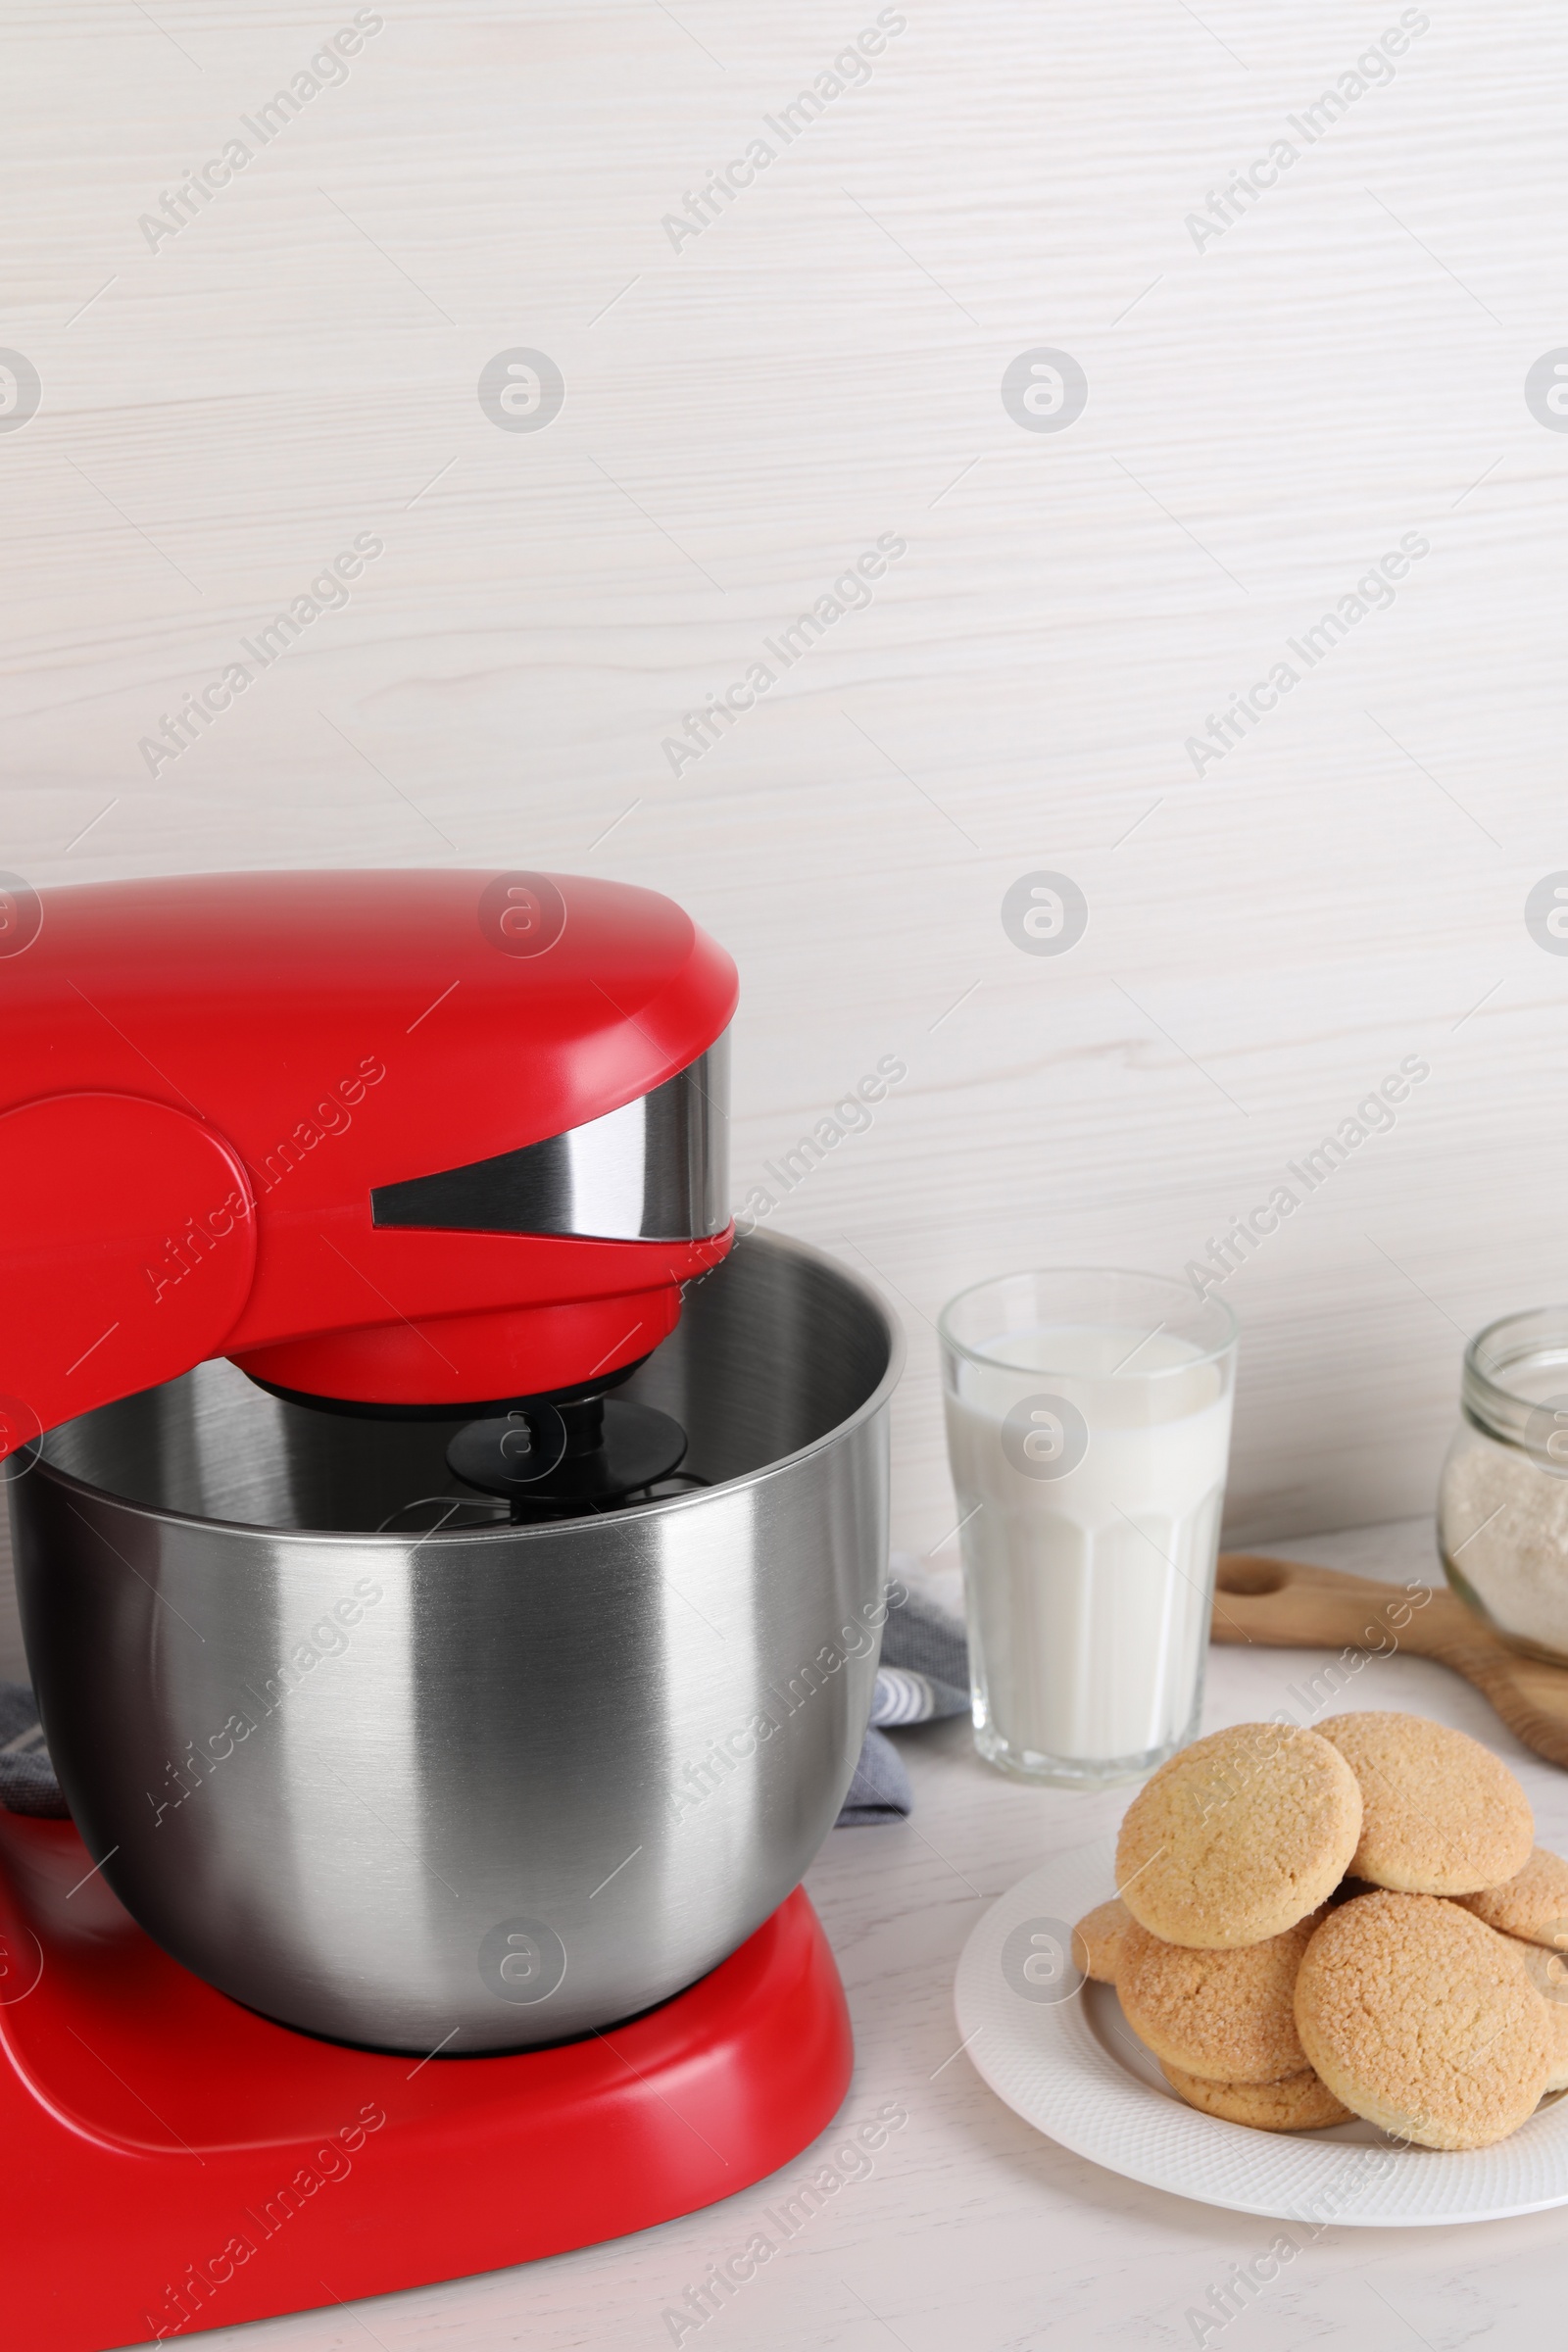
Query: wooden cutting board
x=1287, y=1604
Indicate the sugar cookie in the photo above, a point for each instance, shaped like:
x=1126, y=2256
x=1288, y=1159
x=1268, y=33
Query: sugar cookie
x=1533, y=1903
x=1300, y=2104
x=1441, y=1814
x=1096, y=1937
x=1239, y=1836
x=1222, y=2015
x=1548, y=1973
x=1423, y=2020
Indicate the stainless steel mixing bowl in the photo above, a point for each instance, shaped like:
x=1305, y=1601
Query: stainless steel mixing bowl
x=485, y=1786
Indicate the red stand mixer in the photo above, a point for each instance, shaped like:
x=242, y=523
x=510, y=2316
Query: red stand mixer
x=450, y=1568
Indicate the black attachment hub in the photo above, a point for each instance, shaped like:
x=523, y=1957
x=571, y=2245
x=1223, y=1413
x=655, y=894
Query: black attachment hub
x=551, y=1462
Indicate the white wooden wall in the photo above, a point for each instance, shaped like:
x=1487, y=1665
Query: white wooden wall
x=747, y=411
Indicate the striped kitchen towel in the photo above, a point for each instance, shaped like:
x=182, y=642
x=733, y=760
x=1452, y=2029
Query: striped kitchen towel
x=924, y=1675
x=27, y=1783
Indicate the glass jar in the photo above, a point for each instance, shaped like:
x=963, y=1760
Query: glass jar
x=1502, y=1500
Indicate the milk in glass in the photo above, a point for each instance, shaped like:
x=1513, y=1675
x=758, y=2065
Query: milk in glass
x=1090, y=1585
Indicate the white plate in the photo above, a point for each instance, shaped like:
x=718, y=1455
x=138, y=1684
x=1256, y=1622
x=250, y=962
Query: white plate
x=1069, y=2063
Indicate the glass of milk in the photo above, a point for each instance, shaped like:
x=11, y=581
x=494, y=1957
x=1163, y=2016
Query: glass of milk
x=1089, y=1423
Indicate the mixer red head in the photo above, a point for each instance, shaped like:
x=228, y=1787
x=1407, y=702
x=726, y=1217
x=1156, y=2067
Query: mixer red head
x=407, y=1140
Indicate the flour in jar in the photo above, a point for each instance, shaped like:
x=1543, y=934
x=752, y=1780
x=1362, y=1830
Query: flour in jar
x=1505, y=1523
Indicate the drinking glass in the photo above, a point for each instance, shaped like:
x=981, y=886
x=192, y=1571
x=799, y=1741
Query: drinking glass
x=1089, y=1421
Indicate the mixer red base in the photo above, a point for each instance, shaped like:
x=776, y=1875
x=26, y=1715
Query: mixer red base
x=175, y=2163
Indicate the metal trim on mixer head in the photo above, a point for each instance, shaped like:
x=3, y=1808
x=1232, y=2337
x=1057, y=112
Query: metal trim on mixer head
x=654, y=1170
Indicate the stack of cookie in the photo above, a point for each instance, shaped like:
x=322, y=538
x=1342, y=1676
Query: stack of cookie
x=1353, y=1921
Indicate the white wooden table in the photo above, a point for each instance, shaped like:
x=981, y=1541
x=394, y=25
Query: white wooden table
x=972, y=2234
